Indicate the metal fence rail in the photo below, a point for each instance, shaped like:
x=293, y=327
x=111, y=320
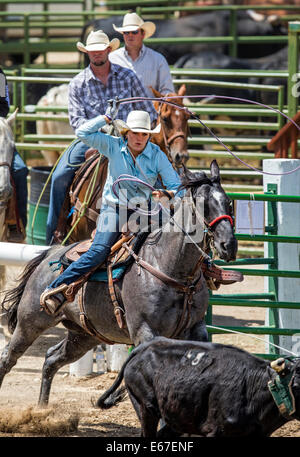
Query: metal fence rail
x=38, y=76
x=47, y=21
x=266, y=300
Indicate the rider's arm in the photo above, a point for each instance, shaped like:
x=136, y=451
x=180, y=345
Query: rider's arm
x=89, y=134
x=169, y=176
x=77, y=114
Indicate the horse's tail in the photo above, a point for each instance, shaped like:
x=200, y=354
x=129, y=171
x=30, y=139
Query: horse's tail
x=14, y=296
x=110, y=397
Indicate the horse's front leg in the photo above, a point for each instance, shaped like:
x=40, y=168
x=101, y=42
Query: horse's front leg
x=142, y=333
x=196, y=333
x=74, y=346
x=21, y=340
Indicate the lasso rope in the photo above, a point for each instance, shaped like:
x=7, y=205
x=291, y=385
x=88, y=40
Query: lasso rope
x=130, y=178
x=166, y=98
x=251, y=336
x=87, y=198
x=44, y=188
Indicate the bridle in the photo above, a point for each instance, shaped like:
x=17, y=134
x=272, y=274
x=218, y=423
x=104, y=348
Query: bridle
x=169, y=141
x=220, y=218
x=209, y=233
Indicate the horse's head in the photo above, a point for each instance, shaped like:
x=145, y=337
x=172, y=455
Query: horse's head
x=172, y=138
x=7, y=147
x=217, y=209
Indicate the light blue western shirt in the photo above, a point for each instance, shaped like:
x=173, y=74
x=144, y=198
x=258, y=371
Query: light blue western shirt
x=150, y=163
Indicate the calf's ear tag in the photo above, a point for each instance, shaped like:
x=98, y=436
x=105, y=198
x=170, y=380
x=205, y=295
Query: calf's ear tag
x=278, y=364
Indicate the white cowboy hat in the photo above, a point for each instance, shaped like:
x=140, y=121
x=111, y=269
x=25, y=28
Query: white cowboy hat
x=98, y=41
x=139, y=121
x=132, y=22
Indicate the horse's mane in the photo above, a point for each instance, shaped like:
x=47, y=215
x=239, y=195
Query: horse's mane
x=190, y=180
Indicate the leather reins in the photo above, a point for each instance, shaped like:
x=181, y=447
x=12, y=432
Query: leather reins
x=189, y=288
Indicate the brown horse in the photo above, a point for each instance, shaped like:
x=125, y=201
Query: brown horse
x=87, y=186
x=172, y=138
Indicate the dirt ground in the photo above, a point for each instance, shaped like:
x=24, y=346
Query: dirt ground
x=71, y=412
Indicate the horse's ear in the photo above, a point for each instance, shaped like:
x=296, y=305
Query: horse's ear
x=182, y=90
x=155, y=92
x=11, y=119
x=186, y=172
x=215, y=171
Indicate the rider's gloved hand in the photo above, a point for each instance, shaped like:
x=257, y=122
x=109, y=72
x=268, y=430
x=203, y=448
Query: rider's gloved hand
x=112, y=108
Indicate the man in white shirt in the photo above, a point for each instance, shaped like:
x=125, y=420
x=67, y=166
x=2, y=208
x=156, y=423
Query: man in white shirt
x=150, y=66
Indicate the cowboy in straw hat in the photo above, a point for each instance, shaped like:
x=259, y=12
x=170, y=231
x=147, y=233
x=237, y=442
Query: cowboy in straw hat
x=98, y=41
x=125, y=154
x=89, y=92
x=150, y=66
x=133, y=22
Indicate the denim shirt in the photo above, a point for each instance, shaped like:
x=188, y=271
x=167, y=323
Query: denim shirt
x=152, y=161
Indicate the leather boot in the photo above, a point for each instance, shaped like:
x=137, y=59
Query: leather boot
x=52, y=300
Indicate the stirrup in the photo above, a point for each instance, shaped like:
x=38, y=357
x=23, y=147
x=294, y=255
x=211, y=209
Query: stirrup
x=52, y=300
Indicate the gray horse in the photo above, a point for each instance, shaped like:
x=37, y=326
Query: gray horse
x=152, y=308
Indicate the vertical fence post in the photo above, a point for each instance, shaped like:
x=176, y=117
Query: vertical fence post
x=209, y=315
x=233, y=47
x=45, y=30
x=23, y=103
x=271, y=251
x=26, y=40
x=288, y=222
x=280, y=100
x=293, y=55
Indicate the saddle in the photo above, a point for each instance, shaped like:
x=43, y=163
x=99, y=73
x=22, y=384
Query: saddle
x=119, y=260
x=123, y=254
x=72, y=207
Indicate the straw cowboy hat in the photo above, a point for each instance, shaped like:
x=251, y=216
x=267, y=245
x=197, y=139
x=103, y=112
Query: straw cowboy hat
x=138, y=121
x=132, y=22
x=98, y=41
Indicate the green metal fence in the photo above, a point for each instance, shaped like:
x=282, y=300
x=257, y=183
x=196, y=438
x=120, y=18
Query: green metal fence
x=29, y=142
x=268, y=300
x=46, y=21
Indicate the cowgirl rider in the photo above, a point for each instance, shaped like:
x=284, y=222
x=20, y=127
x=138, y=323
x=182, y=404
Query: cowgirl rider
x=132, y=154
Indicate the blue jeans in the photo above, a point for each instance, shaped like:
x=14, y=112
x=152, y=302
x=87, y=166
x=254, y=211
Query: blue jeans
x=19, y=173
x=62, y=178
x=108, y=231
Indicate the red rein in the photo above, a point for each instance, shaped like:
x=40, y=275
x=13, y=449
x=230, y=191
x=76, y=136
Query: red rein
x=218, y=219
